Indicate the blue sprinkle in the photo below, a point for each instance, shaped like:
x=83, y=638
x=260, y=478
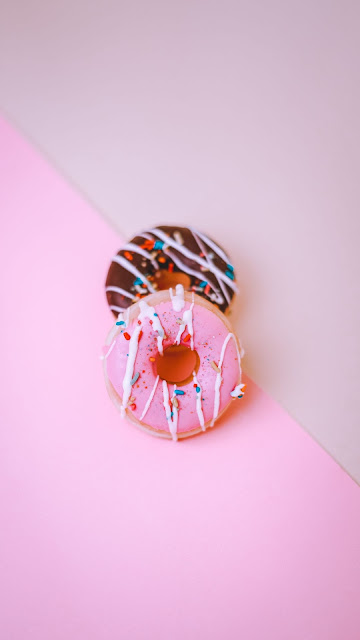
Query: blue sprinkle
x=197, y=389
x=178, y=392
x=229, y=274
x=203, y=284
x=230, y=267
x=158, y=244
x=155, y=314
x=120, y=322
x=171, y=414
x=138, y=281
x=241, y=396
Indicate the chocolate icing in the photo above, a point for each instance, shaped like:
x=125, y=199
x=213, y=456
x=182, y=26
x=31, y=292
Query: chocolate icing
x=140, y=267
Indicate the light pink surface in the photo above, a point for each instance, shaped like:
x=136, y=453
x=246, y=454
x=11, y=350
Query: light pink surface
x=210, y=333
x=250, y=532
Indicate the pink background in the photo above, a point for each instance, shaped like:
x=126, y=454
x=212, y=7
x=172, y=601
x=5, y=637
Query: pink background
x=251, y=531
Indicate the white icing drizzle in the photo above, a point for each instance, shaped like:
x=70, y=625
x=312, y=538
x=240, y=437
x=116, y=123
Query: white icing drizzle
x=146, y=311
x=130, y=267
x=209, y=261
x=114, y=307
x=237, y=391
x=129, y=372
x=121, y=291
x=103, y=357
x=199, y=410
x=218, y=380
x=212, y=245
x=177, y=300
x=145, y=254
x=171, y=420
x=149, y=399
x=193, y=256
x=217, y=297
x=187, y=321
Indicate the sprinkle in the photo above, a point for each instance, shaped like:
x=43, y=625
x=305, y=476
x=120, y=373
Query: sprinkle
x=140, y=334
x=171, y=267
x=178, y=237
x=126, y=336
x=156, y=314
x=230, y=274
x=135, y=378
x=175, y=402
x=162, y=259
x=215, y=367
x=230, y=267
x=207, y=289
x=203, y=284
x=138, y=281
x=195, y=385
x=132, y=399
x=179, y=392
x=133, y=407
x=197, y=389
x=171, y=414
x=187, y=337
x=152, y=359
x=128, y=255
x=241, y=396
x=120, y=322
x=158, y=244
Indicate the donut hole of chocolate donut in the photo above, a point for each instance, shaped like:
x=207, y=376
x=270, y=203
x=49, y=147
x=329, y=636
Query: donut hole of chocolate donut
x=166, y=279
x=177, y=364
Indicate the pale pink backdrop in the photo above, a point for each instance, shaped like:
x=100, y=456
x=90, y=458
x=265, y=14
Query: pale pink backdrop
x=251, y=531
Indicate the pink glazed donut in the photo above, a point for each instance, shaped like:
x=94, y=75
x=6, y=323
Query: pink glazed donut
x=172, y=364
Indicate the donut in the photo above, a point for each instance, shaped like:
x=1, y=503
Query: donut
x=160, y=258
x=172, y=363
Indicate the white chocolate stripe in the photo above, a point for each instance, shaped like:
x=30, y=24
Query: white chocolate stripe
x=129, y=372
x=147, y=236
x=120, y=290
x=114, y=307
x=218, y=380
x=130, y=267
x=172, y=421
x=189, y=254
x=145, y=254
x=212, y=245
x=199, y=410
x=146, y=408
x=201, y=245
x=219, y=299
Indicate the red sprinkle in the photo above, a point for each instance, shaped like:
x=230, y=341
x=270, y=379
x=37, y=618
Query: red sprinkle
x=171, y=267
x=140, y=334
x=128, y=255
x=207, y=289
x=133, y=407
x=152, y=359
x=126, y=336
x=187, y=337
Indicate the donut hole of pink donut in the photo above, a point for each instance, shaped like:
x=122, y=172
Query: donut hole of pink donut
x=166, y=391
x=177, y=364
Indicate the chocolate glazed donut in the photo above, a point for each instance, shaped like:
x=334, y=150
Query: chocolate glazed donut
x=164, y=256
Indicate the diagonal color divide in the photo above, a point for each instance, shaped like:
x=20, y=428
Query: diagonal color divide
x=250, y=531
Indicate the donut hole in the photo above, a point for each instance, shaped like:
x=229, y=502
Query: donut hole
x=177, y=364
x=165, y=279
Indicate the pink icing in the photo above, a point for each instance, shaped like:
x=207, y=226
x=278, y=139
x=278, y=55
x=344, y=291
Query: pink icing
x=210, y=334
